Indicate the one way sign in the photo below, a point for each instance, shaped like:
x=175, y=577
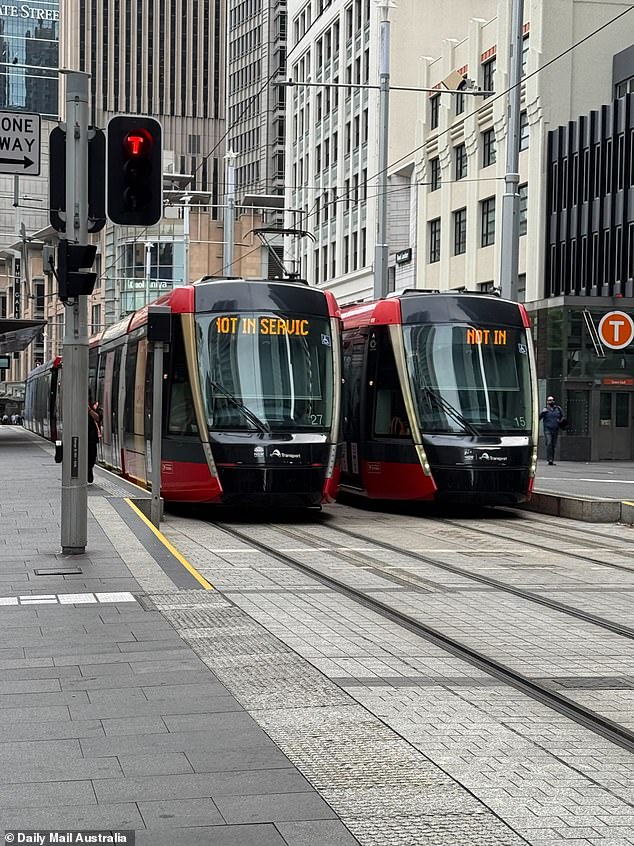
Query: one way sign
x=19, y=143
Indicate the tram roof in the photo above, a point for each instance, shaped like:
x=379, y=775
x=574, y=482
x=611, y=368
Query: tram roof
x=16, y=335
x=433, y=307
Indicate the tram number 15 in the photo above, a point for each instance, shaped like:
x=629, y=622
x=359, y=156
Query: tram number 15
x=520, y=422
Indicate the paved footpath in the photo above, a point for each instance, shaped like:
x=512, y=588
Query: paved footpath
x=108, y=718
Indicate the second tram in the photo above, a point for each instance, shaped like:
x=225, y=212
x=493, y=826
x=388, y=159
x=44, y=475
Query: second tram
x=439, y=399
x=251, y=399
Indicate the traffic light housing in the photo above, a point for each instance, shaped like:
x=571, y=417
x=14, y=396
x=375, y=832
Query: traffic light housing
x=134, y=171
x=72, y=276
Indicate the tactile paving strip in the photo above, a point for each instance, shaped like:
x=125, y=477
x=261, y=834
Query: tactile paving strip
x=386, y=792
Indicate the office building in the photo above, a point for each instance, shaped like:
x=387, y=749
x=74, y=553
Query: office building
x=332, y=136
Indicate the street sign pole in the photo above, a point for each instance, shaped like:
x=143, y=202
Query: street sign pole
x=75, y=354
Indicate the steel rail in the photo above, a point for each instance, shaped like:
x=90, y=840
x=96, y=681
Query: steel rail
x=615, y=733
x=530, y=596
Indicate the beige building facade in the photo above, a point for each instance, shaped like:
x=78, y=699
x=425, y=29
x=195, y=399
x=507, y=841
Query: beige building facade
x=446, y=152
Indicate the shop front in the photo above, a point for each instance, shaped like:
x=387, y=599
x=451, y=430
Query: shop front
x=585, y=359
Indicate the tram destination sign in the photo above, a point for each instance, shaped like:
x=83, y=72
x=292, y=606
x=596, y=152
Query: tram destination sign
x=20, y=143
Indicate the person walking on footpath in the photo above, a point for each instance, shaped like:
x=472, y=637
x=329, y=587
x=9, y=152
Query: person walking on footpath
x=552, y=415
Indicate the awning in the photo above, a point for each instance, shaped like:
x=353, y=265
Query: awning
x=16, y=335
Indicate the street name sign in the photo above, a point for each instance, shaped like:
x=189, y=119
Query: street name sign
x=20, y=143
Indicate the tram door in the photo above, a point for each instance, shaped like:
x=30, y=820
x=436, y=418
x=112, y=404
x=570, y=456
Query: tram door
x=615, y=426
x=354, y=344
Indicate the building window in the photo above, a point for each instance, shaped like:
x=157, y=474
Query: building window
x=625, y=87
x=461, y=161
x=521, y=288
x=434, y=167
x=95, y=323
x=523, y=131
x=523, y=220
x=487, y=222
x=525, y=46
x=434, y=240
x=489, y=148
x=460, y=232
x=487, y=287
x=434, y=110
x=459, y=100
x=488, y=75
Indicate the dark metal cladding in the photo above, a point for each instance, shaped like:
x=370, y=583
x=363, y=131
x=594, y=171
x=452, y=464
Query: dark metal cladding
x=227, y=295
x=445, y=308
x=477, y=470
x=260, y=470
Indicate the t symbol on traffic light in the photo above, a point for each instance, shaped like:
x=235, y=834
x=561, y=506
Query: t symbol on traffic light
x=135, y=171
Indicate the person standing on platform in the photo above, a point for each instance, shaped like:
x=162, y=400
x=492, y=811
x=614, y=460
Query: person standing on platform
x=93, y=439
x=552, y=415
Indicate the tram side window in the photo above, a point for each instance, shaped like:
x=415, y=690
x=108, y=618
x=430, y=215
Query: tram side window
x=182, y=420
x=130, y=374
x=92, y=374
x=390, y=416
x=101, y=376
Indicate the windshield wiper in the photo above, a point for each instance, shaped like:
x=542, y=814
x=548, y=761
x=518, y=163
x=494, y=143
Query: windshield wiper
x=250, y=415
x=447, y=407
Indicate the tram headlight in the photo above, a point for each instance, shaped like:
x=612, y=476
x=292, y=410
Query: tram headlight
x=533, y=468
x=422, y=457
x=332, y=458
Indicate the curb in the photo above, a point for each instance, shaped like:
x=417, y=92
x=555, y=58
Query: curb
x=587, y=509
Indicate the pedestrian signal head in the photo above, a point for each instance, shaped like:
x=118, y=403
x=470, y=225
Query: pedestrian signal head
x=135, y=172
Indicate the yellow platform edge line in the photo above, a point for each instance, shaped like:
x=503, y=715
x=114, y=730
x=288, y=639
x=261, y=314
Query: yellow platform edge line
x=189, y=567
x=625, y=502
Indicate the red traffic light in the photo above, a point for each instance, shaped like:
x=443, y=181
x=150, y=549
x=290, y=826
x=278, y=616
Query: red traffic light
x=134, y=171
x=138, y=143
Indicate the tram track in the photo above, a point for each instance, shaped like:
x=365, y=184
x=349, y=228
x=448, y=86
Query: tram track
x=529, y=596
x=595, y=722
x=577, y=555
x=531, y=517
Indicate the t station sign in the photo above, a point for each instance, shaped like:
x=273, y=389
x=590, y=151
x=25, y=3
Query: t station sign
x=616, y=330
x=20, y=143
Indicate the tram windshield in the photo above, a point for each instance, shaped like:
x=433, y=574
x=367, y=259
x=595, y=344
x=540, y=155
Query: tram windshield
x=265, y=371
x=467, y=378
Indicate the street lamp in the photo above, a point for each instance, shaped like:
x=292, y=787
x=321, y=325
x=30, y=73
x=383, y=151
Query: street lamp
x=230, y=214
x=381, y=250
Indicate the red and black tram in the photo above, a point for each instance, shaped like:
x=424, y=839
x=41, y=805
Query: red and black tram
x=251, y=401
x=439, y=399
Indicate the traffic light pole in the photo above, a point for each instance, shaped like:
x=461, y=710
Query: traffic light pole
x=381, y=251
x=510, y=237
x=75, y=353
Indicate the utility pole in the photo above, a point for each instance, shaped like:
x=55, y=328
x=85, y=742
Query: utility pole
x=230, y=215
x=186, y=201
x=75, y=356
x=148, y=268
x=509, y=246
x=381, y=251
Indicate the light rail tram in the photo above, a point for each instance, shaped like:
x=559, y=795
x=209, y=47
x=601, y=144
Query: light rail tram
x=439, y=399
x=251, y=394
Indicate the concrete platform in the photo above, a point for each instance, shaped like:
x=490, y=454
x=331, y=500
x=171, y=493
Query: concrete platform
x=599, y=492
x=109, y=720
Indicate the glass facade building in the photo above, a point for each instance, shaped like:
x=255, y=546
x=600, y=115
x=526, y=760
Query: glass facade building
x=29, y=57
x=593, y=384
x=164, y=271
